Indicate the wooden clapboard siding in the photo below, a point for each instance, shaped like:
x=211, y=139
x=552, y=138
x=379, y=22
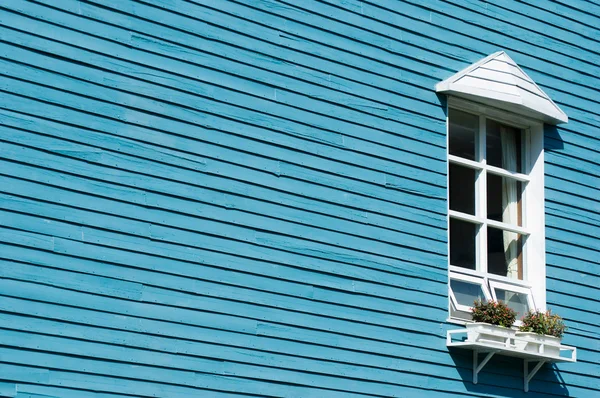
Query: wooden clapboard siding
x=223, y=197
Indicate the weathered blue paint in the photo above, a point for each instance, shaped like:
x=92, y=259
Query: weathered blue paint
x=217, y=198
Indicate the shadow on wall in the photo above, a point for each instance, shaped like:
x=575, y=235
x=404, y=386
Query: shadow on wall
x=552, y=139
x=503, y=377
x=443, y=98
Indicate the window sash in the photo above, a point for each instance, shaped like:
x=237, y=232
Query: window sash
x=459, y=271
x=472, y=164
x=489, y=283
x=480, y=217
x=469, y=279
x=492, y=223
x=514, y=289
x=534, y=254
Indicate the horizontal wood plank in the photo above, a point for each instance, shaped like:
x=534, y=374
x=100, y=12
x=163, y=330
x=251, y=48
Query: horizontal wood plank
x=249, y=198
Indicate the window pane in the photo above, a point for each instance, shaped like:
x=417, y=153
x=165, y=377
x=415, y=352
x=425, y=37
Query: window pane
x=503, y=146
x=463, y=130
x=462, y=189
x=505, y=250
x=466, y=292
x=516, y=301
x=462, y=243
x=504, y=199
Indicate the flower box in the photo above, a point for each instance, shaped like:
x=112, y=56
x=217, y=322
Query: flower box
x=488, y=333
x=532, y=342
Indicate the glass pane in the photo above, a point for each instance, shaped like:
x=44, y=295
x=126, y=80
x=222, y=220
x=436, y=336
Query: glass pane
x=462, y=189
x=505, y=253
x=516, y=301
x=462, y=243
x=466, y=292
x=503, y=146
x=504, y=199
x=463, y=130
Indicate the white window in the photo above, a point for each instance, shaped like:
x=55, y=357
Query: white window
x=517, y=297
x=465, y=289
x=495, y=215
x=496, y=185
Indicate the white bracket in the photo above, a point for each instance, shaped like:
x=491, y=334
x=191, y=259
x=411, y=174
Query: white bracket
x=527, y=375
x=477, y=368
x=540, y=356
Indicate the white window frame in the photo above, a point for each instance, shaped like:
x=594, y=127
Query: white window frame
x=469, y=279
x=512, y=288
x=534, y=258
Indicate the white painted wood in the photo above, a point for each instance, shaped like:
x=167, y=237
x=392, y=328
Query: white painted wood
x=500, y=87
x=521, y=118
x=533, y=227
x=448, y=201
x=477, y=368
x=482, y=282
x=491, y=277
x=528, y=375
x=482, y=92
x=466, y=217
x=488, y=72
x=508, y=227
x=511, y=351
x=539, y=343
x=465, y=162
x=481, y=197
x=497, y=80
x=514, y=83
x=512, y=73
x=488, y=333
x=512, y=288
x=518, y=120
x=534, y=217
x=505, y=173
x=490, y=169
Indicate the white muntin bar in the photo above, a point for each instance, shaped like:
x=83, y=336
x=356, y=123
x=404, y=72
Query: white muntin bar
x=481, y=196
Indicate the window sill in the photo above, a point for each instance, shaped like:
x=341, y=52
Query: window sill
x=457, y=321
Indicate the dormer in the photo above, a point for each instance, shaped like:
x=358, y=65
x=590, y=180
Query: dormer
x=498, y=81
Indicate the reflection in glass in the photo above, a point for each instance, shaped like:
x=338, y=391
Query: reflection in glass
x=454, y=313
x=466, y=292
x=516, y=301
x=462, y=189
x=504, y=199
x=462, y=243
x=505, y=249
x=503, y=146
x=463, y=129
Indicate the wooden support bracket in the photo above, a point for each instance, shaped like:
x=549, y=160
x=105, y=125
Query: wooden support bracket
x=528, y=375
x=477, y=367
x=507, y=348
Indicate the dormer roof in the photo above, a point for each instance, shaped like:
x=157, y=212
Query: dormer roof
x=498, y=81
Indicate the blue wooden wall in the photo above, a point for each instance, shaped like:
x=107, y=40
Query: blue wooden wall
x=210, y=197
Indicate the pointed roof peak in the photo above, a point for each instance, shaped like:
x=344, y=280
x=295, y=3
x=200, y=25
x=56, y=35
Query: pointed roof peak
x=497, y=80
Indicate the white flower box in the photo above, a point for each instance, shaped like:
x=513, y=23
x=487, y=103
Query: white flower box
x=532, y=342
x=488, y=333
